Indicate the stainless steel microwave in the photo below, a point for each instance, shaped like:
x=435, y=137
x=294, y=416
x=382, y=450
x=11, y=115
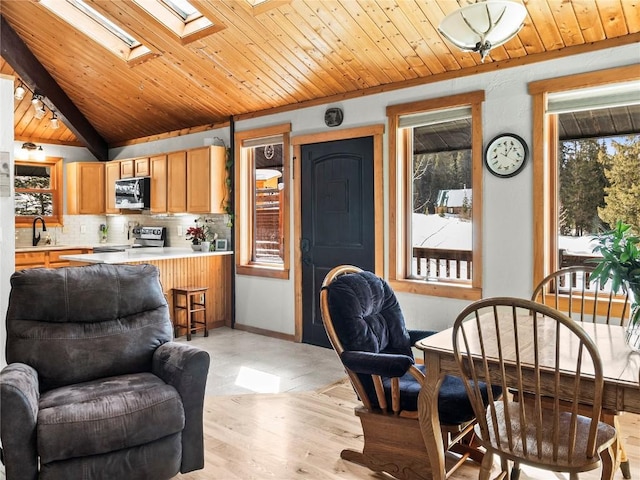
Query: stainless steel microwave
x=133, y=193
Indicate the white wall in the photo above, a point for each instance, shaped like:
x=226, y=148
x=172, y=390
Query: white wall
x=507, y=205
x=7, y=228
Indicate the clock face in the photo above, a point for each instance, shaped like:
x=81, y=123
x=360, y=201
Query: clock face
x=506, y=155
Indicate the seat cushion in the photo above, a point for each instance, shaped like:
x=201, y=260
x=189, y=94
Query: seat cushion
x=366, y=315
x=454, y=406
x=106, y=415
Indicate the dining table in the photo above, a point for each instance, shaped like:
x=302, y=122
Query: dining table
x=621, y=367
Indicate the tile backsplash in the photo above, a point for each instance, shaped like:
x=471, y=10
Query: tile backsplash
x=84, y=230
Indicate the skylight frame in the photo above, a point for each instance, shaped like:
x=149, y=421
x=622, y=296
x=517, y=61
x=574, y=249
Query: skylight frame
x=194, y=27
x=99, y=28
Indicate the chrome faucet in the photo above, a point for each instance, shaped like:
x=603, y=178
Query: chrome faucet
x=35, y=239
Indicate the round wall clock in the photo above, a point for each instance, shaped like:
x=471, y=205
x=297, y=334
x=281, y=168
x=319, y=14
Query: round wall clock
x=506, y=155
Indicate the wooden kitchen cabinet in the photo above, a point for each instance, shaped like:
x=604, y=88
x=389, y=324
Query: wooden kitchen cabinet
x=46, y=258
x=111, y=174
x=85, y=188
x=158, y=174
x=177, y=182
x=206, y=179
x=26, y=260
x=136, y=167
x=141, y=167
x=126, y=168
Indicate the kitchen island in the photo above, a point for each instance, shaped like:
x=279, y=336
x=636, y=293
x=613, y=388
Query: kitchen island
x=180, y=267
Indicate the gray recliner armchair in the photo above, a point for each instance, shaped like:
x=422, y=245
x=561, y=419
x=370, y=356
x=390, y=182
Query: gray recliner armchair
x=94, y=387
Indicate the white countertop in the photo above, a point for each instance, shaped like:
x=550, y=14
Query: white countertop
x=46, y=248
x=140, y=255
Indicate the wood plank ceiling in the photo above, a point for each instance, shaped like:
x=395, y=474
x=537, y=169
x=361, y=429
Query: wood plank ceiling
x=282, y=54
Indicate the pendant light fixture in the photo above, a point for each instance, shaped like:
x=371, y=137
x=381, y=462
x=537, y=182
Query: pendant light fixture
x=483, y=25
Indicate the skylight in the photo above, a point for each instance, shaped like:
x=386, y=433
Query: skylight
x=105, y=22
x=95, y=25
x=181, y=18
x=183, y=8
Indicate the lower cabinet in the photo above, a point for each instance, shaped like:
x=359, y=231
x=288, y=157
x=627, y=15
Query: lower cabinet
x=46, y=258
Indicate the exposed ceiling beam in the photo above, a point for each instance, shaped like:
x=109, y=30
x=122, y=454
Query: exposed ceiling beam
x=31, y=71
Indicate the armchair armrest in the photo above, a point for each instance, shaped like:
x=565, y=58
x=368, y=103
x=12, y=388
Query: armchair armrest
x=19, y=397
x=383, y=364
x=185, y=368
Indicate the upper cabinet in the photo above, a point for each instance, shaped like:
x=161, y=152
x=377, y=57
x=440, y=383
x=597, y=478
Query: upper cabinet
x=206, y=180
x=85, y=188
x=111, y=174
x=191, y=181
x=158, y=174
x=137, y=167
x=177, y=182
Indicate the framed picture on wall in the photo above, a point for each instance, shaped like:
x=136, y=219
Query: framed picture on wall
x=221, y=244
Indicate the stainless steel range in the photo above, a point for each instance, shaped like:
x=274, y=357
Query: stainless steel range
x=149, y=236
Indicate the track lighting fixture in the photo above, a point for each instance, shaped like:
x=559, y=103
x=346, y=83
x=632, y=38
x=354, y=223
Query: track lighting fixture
x=36, y=101
x=19, y=93
x=40, y=112
x=54, y=121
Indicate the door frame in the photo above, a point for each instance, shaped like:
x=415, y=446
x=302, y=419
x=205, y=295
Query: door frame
x=375, y=131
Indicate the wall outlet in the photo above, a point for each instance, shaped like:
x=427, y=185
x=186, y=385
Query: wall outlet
x=83, y=229
x=179, y=230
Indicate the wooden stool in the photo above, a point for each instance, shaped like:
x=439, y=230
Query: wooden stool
x=194, y=306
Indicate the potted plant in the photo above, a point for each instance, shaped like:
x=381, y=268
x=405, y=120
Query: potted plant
x=197, y=235
x=620, y=263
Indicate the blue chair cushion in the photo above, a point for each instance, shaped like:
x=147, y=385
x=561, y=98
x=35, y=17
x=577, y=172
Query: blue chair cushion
x=454, y=406
x=366, y=315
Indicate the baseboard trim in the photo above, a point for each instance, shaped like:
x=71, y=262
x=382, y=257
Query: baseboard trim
x=265, y=332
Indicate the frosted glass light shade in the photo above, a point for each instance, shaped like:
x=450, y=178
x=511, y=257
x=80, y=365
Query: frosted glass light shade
x=484, y=25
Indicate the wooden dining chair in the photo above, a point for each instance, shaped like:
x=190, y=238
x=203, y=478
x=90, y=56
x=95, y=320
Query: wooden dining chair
x=508, y=342
x=571, y=291
x=366, y=328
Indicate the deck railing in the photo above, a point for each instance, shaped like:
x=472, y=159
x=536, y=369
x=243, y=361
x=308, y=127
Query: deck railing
x=442, y=263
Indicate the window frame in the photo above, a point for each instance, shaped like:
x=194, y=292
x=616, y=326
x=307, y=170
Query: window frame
x=545, y=159
x=400, y=203
x=55, y=220
x=245, y=204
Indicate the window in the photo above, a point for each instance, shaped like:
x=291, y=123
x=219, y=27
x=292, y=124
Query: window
x=586, y=162
x=262, y=199
x=181, y=18
x=436, y=193
x=98, y=27
x=38, y=191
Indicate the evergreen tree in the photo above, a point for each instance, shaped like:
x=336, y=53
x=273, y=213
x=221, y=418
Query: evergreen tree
x=582, y=184
x=622, y=170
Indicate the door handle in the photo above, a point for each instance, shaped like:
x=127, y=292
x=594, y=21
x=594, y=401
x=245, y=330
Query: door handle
x=305, y=247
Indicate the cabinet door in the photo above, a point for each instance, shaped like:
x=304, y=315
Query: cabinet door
x=177, y=182
x=141, y=167
x=205, y=180
x=198, y=173
x=158, y=170
x=26, y=260
x=111, y=174
x=56, y=262
x=127, y=169
x=85, y=188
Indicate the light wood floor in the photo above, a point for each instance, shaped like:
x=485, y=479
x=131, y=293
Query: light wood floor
x=299, y=434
